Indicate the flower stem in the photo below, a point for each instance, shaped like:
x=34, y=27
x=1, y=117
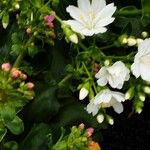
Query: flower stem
x=61, y=83
x=107, y=47
x=19, y=60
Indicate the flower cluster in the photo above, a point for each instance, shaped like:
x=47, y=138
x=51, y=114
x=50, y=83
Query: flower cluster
x=79, y=138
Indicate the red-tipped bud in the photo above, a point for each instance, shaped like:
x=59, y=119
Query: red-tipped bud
x=23, y=76
x=30, y=85
x=82, y=126
x=90, y=131
x=15, y=73
x=6, y=67
x=96, y=67
x=29, y=30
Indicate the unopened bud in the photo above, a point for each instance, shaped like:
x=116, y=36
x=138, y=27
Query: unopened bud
x=144, y=34
x=30, y=85
x=139, y=110
x=124, y=41
x=147, y=89
x=131, y=41
x=139, y=41
x=15, y=73
x=142, y=97
x=23, y=76
x=110, y=120
x=83, y=93
x=29, y=30
x=129, y=94
x=73, y=38
x=17, y=6
x=90, y=131
x=82, y=126
x=6, y=67
x=107, y=62
x=100, y=118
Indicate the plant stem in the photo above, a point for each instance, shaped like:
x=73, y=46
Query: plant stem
x=19, y=60
x=61, y=83
x=107, y=47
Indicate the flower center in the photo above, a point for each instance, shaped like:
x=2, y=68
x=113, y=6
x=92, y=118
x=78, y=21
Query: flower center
x=88, y=19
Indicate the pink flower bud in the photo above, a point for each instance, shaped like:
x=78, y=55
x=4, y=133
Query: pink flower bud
x=29, y=30
x=82, y=126
x=49, y=20
x=90, y=131
x=6, y=67
x=30, y=85
x=15, y=73
x=23, y=76
x=96, y=67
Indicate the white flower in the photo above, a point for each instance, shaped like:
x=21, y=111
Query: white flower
x=83, y=93
x=104, y=99
x=115, y=75
x=90, y=17
x=92, y=108
x=141, y=65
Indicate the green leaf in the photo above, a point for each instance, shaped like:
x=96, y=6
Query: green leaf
x=15, y=126
x=11, y=145
x=37, y=3
x=32, y=50
x=37, y=138
x=45, y=105
x=5, y=20
x=145, y=12
x=3, y=132
x=7, y=112
x=16, y=48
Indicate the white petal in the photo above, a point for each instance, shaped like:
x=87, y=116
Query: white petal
x=118, y=107
x=84, y=5
x=102, y=81
x=144, y=47
x=102, y=76
x=145, y=72
x=98, y=5
x=103, y=97
x=108, y=10
x=75, y=25
x=120, y=97
x=74, y=12
x=135, y=68
x=87, y=32
x=99, y=30
x=92, y=108
x=105, y=21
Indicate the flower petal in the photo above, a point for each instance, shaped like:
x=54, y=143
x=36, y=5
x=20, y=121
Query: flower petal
x=74, y=12
x=84, y=5
x=75, y=25
x=104, y=22
x=120, y=97
x=135, y=68
x=118, y=107
x=107, y=11
x=98, y=5
x=92, y=108
x=145, y=72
